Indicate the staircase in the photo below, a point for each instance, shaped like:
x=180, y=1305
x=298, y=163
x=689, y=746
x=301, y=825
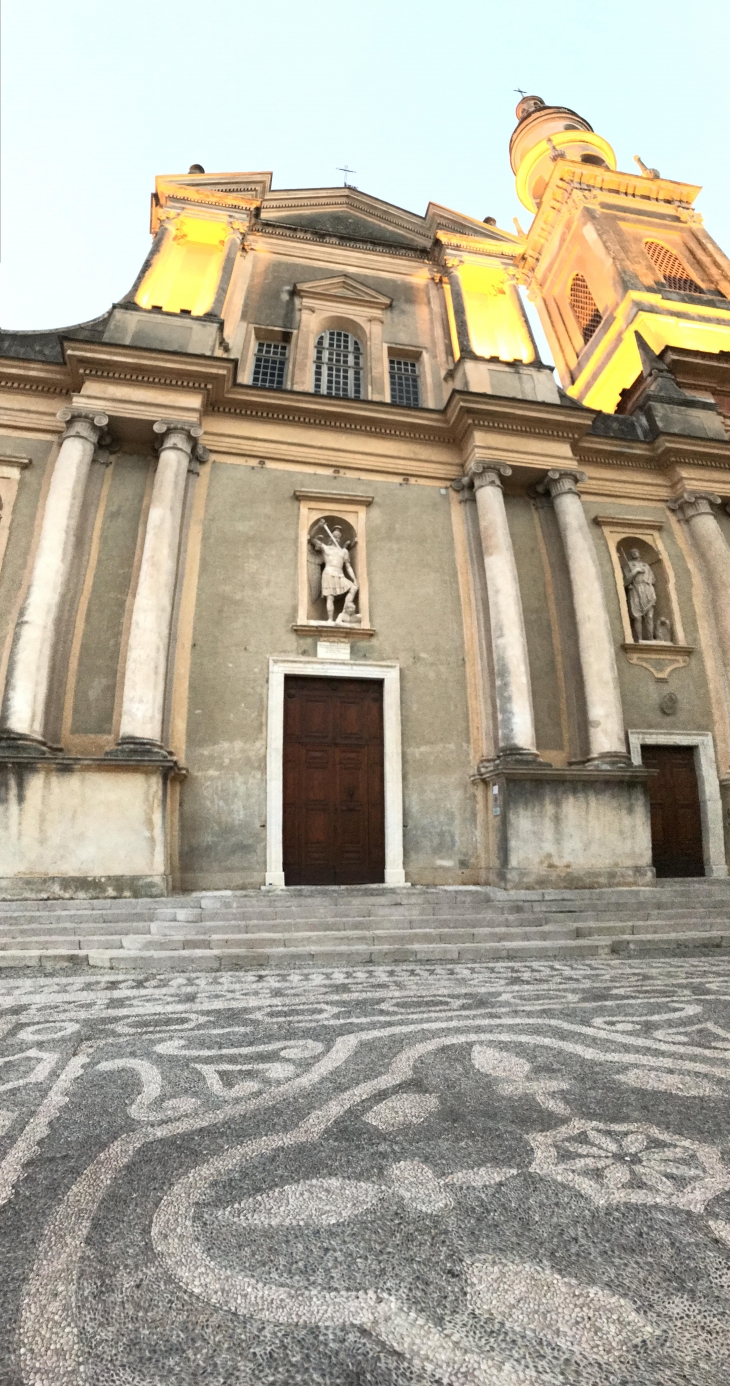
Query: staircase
x=361, y=924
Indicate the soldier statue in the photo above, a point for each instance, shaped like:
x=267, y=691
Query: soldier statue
x=338, y=575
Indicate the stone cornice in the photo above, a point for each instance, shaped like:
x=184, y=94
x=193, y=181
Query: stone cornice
x=227, y=192
x=350, y=255
x=704, y=370
x=480, y=246
x=354, y=416
x=465, y=410
x=668, y=450
x=106, y=361
x=586, y=181
x=41, y=377
x=213, y=378
x=300, y=233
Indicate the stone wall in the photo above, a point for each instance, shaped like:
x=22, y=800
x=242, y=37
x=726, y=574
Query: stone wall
x=246, y=606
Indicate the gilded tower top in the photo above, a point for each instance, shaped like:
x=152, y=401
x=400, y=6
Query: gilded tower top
x=545, y=135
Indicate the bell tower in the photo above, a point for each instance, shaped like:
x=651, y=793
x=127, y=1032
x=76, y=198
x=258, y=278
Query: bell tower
x=609, y=254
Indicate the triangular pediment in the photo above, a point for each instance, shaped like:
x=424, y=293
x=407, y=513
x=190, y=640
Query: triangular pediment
x=445, y=221
x=342, y=289
x=223, y=192
x=347, y=214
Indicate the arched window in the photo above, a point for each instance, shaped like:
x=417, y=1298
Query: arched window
x=338, y=365
x=673, y=272
x=587, y=312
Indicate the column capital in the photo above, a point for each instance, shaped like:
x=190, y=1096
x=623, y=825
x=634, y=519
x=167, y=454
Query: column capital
x=557, y=482
x=488, y=474
x=464, y=487
x=82, y=423
x=692, y=503
x=182, y=434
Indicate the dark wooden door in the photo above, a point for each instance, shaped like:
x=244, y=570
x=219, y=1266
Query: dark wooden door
x=334, y=807
x=676, y=825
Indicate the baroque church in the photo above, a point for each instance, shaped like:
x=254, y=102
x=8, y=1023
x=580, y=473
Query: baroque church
x=312, y=574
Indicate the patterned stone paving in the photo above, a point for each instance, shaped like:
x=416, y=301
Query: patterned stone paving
x=488, y=1175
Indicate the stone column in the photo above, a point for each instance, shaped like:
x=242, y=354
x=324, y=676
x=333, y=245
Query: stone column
x=377, y=361
x=606, y=739
x=230, y=252
x=459, y=309
x=696, y=511
x=515, y=719
x=303, y=378
x=26, y=691
x=145, y=679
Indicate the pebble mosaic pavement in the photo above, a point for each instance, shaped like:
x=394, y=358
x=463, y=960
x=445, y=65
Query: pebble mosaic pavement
x=487, y=1175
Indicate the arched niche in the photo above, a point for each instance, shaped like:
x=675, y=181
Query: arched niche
x=321, y=512
x=662, y=619
x=325, y=533
x=667, y=651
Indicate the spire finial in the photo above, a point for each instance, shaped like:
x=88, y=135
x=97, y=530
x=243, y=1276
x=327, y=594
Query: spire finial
x=527, y=105
x=651, y=364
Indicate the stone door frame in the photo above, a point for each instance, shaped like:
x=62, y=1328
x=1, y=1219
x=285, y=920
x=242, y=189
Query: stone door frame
x=708, y=784
x=302, y=665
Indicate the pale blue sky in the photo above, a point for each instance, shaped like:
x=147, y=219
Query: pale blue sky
x=101, y=95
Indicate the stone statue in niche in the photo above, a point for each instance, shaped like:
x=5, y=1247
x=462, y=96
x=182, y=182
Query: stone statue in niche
x=640, y=585
x=663, y=630
x=331, y=574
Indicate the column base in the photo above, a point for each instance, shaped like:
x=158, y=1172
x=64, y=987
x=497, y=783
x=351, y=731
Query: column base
x=510, y=760
x=139, y=748
x=612, y=760
x=573, y=828
x=73, y=826
x=20, y=745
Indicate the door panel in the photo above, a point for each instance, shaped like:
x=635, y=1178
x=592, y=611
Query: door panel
x=676, y=823
x=334, y=810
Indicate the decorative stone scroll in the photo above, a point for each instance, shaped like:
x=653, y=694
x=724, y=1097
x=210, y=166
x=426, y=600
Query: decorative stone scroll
x=333, y=598
x=652, y=620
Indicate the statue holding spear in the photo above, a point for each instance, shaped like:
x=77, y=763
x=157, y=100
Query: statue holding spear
x=337, y=576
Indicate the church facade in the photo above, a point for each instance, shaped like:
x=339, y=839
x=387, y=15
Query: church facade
x=311, y=573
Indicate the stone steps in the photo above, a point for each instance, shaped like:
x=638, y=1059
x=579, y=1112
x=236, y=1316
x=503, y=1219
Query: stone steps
x=84, y=933
x=399, y=938
x=219, y=959
x=328, y=926
x=259, y=911
x=348, y=902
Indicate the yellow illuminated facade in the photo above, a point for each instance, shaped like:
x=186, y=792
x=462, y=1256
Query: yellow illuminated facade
x=644, y=260
x=184, y=276
x=494, y=315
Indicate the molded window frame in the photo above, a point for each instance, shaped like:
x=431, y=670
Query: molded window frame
x=414, y=355
x=259, y=333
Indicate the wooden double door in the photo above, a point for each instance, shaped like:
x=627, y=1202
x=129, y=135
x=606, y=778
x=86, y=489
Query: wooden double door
x=334, y=806
x=676, y=824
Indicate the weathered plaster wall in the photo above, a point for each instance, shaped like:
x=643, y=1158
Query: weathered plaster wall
x=96, y=678
x=246, y=606
x=270, y=300
x=546, y=691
